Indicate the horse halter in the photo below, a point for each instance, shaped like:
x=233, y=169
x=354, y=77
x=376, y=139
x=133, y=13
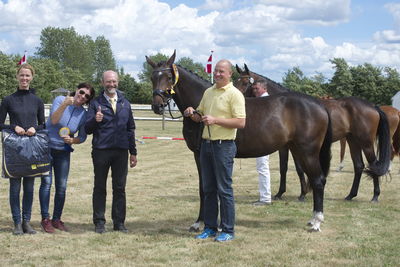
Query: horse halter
x=250, y=83
x=170, y=90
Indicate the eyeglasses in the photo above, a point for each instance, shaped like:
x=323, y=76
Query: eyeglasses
x=83, y=93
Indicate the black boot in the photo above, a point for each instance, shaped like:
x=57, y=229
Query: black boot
x=27, y=228
x=18, y=229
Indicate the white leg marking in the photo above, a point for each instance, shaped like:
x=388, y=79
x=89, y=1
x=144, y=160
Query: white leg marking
x=315, y=222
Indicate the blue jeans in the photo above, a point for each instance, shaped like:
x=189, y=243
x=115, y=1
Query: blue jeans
x=216, y=160
x=27, y=198
x=60, y=165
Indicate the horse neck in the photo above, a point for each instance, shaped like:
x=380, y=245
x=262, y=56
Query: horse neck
x=273, y=87
x=189, y=89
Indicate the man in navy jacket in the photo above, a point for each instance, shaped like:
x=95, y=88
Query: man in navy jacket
x=110, y=120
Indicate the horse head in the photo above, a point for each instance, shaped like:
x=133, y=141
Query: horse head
x=164, y=77
x=245, y=81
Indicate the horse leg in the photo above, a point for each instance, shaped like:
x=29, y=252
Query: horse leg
x=358, y=165
x=195, y=227
x=370, y=156
x=318, y=185
x=317, y=182
x=283, y=166
x=342, y=152
x=302, y=179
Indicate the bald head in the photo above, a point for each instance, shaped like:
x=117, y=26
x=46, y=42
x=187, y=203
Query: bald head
x=110, y=82
x=223, y=72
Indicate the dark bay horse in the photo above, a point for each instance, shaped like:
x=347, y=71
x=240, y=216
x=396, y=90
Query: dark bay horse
x=393, y=116
x=360, y=123
x=244, y=84
x=271, y=123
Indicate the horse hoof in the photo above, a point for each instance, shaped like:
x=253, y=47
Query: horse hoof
x=277, y=198
x=301, y=198
x=374, y=200
x=348, y=198
x=314, y=229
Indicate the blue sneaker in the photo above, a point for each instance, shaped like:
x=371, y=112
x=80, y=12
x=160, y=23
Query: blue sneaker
x=224, y=237
x=207, y=232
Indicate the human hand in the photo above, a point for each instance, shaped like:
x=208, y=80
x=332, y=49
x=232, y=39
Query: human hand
x=19, y=130
x=67, y=139
x=31, y=131
x=208, y=120
x=189, y=112
x=99, y=114
x=133, y=161
x=69, y=100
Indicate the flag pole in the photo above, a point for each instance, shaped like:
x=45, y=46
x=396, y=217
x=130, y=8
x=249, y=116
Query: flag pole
x=211, y=73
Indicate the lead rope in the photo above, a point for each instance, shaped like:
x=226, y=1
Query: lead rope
x=211, y=144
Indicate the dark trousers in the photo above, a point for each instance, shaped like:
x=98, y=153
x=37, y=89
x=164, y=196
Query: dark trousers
x=216, y=160
x=103, y=159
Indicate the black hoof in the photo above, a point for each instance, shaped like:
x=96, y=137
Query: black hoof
x=301, y=198
x=277, y=197
x=348, y=198
x=374, y=200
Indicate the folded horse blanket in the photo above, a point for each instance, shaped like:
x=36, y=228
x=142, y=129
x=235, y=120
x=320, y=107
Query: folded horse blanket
x=25, y=156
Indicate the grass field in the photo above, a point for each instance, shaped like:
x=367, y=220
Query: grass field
x=162, y=202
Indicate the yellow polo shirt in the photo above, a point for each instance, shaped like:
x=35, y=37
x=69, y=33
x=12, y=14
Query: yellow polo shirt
x=225, y=102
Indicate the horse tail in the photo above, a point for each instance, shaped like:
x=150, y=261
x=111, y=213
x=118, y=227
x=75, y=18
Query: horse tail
x=325, y=154
x=381, y=165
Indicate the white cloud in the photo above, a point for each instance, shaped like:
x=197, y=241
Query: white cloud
x=321, y=12
x=4, y=46
x=390, y=36
x=265, y=34
x=217, y=4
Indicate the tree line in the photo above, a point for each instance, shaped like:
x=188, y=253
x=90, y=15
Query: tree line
x=375, y=84
x=65, y=58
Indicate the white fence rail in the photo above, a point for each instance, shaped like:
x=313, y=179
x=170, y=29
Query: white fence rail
x=138, y=107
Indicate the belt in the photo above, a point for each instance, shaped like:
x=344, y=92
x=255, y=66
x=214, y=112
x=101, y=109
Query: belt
x=219, y=141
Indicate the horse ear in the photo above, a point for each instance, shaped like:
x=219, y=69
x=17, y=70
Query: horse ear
x=151, y=62
x=246, y=69
x=171, y=59
x=239, y=70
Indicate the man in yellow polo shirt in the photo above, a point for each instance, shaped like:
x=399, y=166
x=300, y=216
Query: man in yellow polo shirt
x=222, y=110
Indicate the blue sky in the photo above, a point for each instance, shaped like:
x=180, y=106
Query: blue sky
x=270, y=36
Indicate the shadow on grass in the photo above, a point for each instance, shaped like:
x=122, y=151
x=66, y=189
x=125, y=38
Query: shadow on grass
x=177, y=228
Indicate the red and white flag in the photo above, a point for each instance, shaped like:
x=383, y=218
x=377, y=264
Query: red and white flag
x=23, y=59
x=209, y=64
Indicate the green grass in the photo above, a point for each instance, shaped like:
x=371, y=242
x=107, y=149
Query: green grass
x=162, y=202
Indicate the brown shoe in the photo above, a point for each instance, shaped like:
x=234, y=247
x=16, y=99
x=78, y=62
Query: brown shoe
x=58, y=224
x=46, y=225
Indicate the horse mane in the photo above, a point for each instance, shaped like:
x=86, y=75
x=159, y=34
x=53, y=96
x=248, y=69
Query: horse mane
x=201, y=79
x=273, y=83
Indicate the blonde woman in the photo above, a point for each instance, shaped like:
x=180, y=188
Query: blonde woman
x=26, y=113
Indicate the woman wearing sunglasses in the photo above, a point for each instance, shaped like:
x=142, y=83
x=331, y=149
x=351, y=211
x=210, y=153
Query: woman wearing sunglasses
x=67, y=117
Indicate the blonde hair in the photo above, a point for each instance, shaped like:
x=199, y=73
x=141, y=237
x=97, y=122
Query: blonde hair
x=26, y=66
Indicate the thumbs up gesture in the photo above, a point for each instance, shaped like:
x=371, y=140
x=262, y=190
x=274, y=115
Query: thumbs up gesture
x=69, y=100
x=99, y=114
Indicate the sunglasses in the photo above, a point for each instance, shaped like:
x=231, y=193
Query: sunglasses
x=81, y=92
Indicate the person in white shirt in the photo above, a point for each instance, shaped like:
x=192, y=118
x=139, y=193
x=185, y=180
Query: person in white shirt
x=264, y=181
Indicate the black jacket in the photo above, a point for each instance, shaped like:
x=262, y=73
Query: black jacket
x=115, y=131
